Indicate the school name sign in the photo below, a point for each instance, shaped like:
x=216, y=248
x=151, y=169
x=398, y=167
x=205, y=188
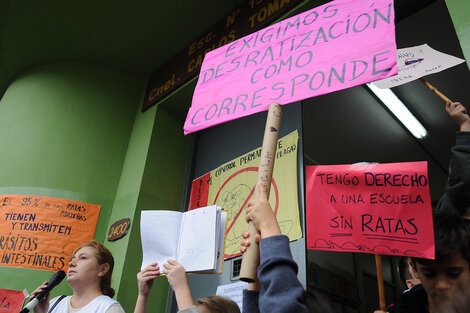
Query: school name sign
x=335, y=46
x=371, y=208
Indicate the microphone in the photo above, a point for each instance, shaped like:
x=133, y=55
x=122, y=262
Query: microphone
x=54, y=281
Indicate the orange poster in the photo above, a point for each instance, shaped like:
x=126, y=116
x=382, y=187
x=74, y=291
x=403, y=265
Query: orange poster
x=42, y=232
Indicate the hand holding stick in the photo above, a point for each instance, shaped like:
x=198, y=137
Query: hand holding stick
x=455, y=109
x=250, y=259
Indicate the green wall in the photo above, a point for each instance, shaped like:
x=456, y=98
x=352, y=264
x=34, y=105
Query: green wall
x=76, y=131
x=64, y=131
x=460, y=11
x=162, y=188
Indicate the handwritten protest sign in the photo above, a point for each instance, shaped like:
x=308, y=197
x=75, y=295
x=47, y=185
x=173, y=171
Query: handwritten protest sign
x=42, y=232
x=371, y=208
x=11, y=301
x=416, y=62
x=341, y=44
x=230, y=186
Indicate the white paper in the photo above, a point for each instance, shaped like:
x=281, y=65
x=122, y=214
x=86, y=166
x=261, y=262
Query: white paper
x=220, y=241
x=159, y=233
x=416, y=62
x=233, y=291
x=221, y=237
x=194, y=238
x=198, y=239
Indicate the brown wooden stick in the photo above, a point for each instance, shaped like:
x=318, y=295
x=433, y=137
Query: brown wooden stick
x=380, y=282
x=434, y=89
x=250, y=259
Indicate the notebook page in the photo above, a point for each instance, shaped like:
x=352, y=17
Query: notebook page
x=221, y=241
x=159, y=233
x=197, y=239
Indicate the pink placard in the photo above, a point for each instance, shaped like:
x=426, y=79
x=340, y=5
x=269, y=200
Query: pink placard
x=370, y=208
x=338, y=45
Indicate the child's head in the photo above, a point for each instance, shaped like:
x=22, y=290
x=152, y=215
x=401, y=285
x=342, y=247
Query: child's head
x=406, y=273
x=452, y=257
x=217, y=304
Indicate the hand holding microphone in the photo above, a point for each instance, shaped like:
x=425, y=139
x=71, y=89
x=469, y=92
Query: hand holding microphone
x=40, y=307
x=42, y=292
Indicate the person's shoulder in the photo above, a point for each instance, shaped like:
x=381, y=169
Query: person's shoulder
x=417, y=288
x=414, y=301
x=416, y=292
x=108, y=302
x=115, y=308
x=191, y=309
x=55, y=299
x=409, y=295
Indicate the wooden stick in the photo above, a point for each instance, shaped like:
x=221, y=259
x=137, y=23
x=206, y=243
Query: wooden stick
x=380, y=282
x=434, y=89
x=250, y=259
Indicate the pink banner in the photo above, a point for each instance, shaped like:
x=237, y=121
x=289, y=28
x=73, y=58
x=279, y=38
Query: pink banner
x=341, y=44
x=371, y=208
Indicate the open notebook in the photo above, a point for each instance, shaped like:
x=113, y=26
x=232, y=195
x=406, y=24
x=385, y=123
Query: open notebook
x=194, y=238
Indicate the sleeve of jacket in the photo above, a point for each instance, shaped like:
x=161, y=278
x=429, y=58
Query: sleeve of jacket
x=457, y=193
x=250, y=301
x=280, y=291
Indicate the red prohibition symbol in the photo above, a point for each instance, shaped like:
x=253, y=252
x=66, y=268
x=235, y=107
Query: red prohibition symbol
x=248, y=169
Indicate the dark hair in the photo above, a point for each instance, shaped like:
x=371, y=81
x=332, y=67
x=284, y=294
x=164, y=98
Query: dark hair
x=218, y=304
x=451, y=237
x=404, y=269
x=103, y=255
x=316, y=303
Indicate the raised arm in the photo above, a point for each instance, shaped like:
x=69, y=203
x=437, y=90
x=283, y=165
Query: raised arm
x=176, y=275
x=145, y=280
x=251, y=294
x=459, y=114
x=457, y=194
x=280, y=291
